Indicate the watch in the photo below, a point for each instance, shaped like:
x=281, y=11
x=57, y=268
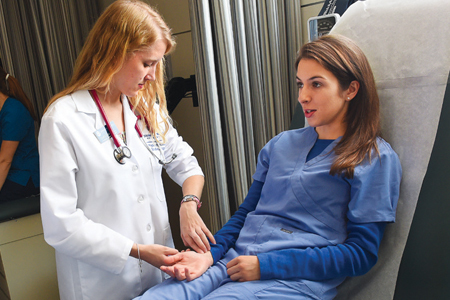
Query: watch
x=188, y=198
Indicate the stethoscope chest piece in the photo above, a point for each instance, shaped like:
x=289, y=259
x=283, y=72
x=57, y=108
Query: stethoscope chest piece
x=120, y=153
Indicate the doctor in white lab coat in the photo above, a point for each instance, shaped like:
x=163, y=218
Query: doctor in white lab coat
x=107, y=218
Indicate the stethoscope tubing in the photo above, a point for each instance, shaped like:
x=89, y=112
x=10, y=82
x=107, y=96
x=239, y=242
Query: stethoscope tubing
x=119, y=151
x=123, y=151
x=160, y=161
x=141, y=137
x=102, y=112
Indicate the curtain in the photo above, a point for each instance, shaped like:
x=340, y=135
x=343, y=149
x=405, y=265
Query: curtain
x=244, y=54
x=40, y=41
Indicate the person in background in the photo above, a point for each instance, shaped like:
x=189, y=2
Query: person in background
x=104, y=141
x=320, y=199
x=19, y=158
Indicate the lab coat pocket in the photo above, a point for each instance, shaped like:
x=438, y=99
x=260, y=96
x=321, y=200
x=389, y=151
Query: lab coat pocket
x=167, y=237
x=94, y=281
x=168, y=242
x=158, y=188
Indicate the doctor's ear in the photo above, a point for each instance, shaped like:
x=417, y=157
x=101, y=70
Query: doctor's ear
x=352, y=90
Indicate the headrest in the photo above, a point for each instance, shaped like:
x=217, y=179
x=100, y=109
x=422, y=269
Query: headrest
x=409, y=52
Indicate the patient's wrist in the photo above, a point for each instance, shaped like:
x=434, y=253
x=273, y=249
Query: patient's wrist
x=209, y=258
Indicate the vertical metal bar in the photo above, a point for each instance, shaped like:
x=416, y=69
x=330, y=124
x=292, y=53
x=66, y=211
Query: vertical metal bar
x=210, y=113
x=266, y=67
x=294, y=42
x=245, y=91
x=277, y=46
x=4, y=45
x=258, y=95
x=228, y=75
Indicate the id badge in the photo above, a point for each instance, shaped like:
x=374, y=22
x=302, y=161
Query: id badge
x=103, y=134
x=150, y=141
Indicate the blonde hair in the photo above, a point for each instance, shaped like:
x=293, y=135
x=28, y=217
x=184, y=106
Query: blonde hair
x=126, y=26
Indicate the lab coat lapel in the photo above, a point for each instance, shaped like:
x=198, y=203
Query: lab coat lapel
x=85, y=104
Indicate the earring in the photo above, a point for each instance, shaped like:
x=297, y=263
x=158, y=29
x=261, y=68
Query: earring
x=348, y=98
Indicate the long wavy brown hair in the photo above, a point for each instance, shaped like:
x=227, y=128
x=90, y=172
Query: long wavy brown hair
x=125, y=27
x=342, y=57
x=12, y=88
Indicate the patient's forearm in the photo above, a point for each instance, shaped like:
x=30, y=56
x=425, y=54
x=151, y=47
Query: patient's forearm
x=227, y=236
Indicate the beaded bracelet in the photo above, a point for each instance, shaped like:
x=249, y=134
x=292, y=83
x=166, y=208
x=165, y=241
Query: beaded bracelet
x=188, y=198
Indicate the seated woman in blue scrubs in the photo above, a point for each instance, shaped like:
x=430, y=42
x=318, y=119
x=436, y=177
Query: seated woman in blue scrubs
x=19, y=158
x=320, y=200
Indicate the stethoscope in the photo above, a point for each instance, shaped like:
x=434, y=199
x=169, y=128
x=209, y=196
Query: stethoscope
x=141, y=137
x=120, y=152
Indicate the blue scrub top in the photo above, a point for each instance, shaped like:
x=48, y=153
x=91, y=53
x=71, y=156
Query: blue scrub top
x=309, y=206
x=302, y=206
x=16, y=124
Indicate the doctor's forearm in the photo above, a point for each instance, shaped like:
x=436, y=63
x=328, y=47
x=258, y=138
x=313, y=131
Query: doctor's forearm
x=193, y=186
x=194, y=232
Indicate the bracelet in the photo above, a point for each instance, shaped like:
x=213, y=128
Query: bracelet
x=188, y=198
x=139, y=257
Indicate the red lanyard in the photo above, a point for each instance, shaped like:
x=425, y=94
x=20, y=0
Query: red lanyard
x=136, y=126
x=105, y=118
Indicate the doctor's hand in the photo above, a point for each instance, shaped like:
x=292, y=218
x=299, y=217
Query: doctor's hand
x=194, y=232
x=190, y=265
x=156, y=255
x=244, y=268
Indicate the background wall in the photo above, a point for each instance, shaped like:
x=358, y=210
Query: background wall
x=186, y=117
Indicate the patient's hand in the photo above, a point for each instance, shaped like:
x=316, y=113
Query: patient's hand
x=244, y=268
x=190, y=265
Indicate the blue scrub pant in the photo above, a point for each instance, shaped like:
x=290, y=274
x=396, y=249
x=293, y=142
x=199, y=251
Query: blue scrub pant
x=215, y=284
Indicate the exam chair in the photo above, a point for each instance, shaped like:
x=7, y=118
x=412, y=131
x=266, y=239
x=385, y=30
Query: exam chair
x=408, y=46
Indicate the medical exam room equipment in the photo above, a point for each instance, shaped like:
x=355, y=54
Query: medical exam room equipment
x=408, y=46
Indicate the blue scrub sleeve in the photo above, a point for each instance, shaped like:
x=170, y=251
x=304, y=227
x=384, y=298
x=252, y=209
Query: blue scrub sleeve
x=356, y=256
x=375, y=188
x=227, y=236
x=15, y=122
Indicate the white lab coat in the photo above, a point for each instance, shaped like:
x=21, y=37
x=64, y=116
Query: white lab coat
x=93, y=209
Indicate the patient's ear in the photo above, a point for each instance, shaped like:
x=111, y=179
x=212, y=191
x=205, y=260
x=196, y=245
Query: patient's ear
x=352, y=90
